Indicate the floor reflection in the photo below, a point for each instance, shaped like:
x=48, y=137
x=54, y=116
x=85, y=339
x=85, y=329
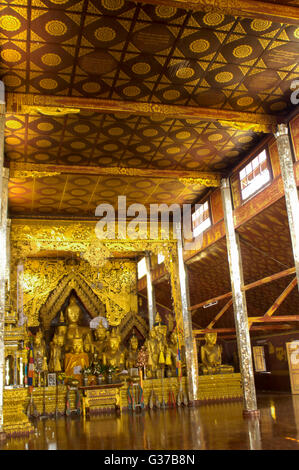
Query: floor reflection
x=207, y=427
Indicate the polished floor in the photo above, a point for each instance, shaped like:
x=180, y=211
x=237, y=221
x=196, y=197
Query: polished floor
x=206, y=427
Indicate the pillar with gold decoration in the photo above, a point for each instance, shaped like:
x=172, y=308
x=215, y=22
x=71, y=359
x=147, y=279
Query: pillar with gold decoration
x=3, y=220
x=290, y=189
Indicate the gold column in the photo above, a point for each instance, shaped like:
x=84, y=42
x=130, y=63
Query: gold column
x=239, y=303
x=3, y=215
x=150, y=291
x=290, y=189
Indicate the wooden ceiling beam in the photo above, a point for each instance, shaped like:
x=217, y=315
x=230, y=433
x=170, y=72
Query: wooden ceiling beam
x=188, y=177
x=219, y=315
x=233, y=330
x=49, y=105
x=254, y=9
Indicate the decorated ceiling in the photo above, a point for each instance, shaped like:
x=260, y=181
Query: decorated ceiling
x=134, y=52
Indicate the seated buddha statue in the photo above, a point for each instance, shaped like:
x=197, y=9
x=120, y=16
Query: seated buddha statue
x=211, y=357
x=76, y=359
x=73, y=312
x=132, y=354
x=113, y=355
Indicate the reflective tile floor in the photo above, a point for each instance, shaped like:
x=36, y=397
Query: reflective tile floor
x=206, y=427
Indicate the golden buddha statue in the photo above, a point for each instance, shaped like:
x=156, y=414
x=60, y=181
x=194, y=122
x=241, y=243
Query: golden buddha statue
x=73, y=312
x=101, y=336
x=113, y=355
x=132, y=354
x=151, y=345
x=76, y=359
x=39, y=352
x=56, y=354
x=211, y=357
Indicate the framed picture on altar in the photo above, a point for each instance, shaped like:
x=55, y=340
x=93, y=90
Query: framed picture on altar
x=52, y=380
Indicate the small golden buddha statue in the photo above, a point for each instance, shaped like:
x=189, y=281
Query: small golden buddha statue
x=101, y=337
x=211, y=357
x=55, y=354
x=73, y=312
x=132, y=354
x=113, y=355
x=39, y=351
x=151, y=345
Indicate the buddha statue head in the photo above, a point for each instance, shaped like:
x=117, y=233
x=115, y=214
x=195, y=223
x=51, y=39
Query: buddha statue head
x=73, y=311
x=133, y=342
x=211, y=338
x=38, y=338
x=77, y=344
x=114, y=340
x=100, y=332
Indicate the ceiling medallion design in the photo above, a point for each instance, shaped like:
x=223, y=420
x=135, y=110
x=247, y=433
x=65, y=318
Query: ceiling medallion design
x=242, y=51
x=224, y=77
x=11, y=55
x=56, y=28
x=9, y=23
x=105, y=34
x=213, y=19
x=260, y=25
x=199, y=45
x=185, y=72
x=164, y=11
x=113, y=4
x=51, y=59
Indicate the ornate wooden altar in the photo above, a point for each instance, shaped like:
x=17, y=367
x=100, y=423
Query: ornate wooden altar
x=98, y=398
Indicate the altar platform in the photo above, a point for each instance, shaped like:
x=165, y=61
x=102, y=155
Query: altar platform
x=52, y=400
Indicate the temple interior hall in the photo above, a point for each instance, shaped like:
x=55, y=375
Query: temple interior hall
x=149, y=225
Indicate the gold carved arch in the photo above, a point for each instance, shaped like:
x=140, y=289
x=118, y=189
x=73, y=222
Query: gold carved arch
x=62, y=291
x=130, y=321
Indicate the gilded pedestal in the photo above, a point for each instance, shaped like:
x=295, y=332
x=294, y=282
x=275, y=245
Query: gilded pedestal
x=15, y=420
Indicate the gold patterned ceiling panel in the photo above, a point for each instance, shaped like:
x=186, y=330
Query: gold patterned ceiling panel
x=118, y=49
x=122, y=140
x=79, y=195
x=130, y=51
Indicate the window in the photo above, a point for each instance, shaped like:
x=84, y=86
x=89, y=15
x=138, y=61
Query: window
x=201, y=219
x=255, y=175
x=160, y=258
x=141, y=268
x=259, y=358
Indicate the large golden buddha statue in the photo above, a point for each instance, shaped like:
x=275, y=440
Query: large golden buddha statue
x=211, y=357
x=73, y=313
x=76, y=359
x=113, y=355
